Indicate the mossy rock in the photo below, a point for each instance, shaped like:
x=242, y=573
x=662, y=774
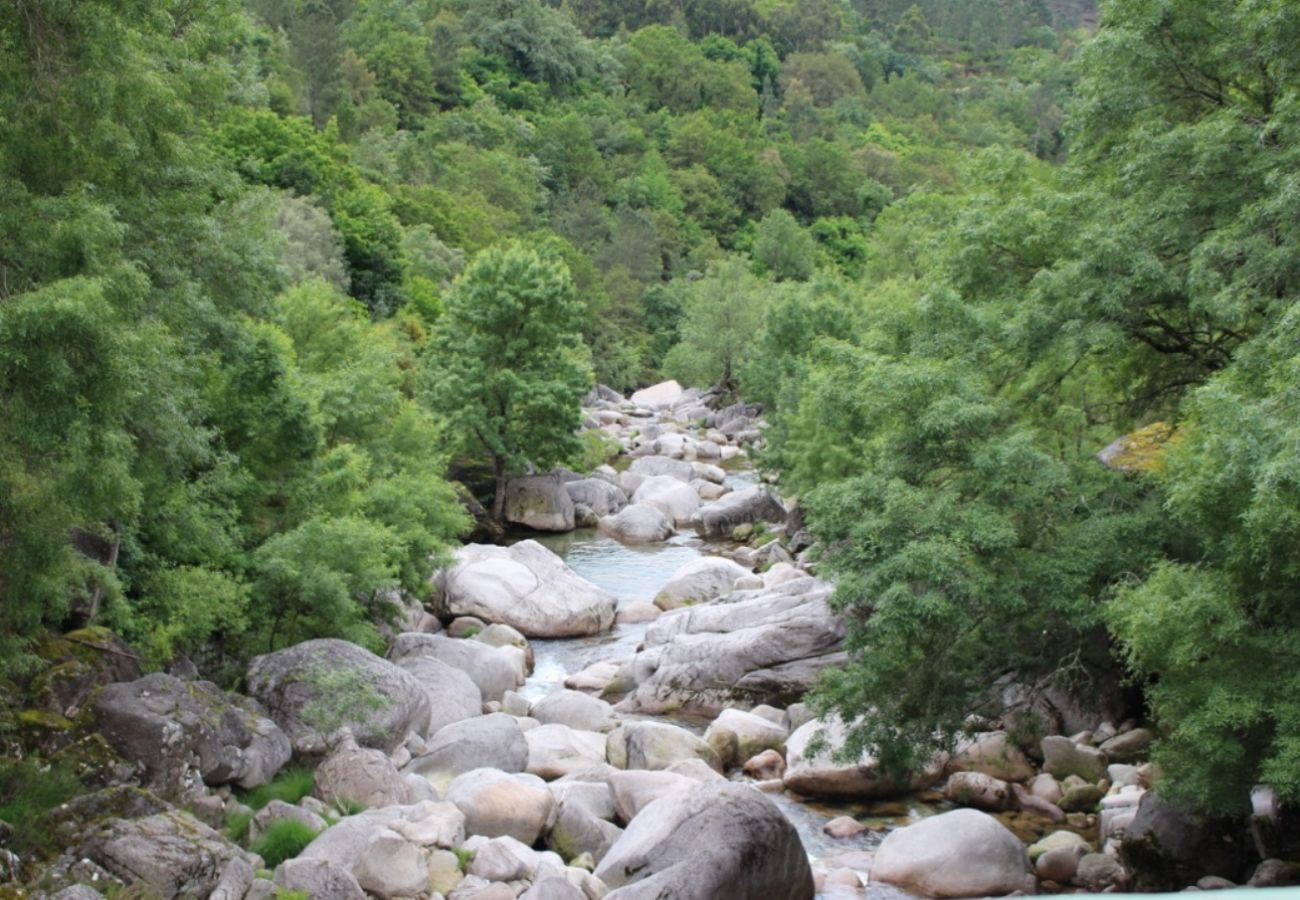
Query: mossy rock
x=77, y=663
x=93, y=761
x=89, y=811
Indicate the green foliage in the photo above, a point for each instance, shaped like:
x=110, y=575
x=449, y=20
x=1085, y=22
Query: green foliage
x=284, y=839
x=290, y=786
x=339, y=694
x=28, y=791
x=721, y=316
x=507, y=368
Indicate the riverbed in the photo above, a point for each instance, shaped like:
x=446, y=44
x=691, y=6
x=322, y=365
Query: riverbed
x=637, y=573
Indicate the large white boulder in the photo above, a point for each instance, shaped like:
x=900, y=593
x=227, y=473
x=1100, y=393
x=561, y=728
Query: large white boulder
x=658, y=396
x=638, y=523
x=496, y=803
x=963, y=853
x=491, y=669
x=676, y=499
x=699, y=581
x=525, y=586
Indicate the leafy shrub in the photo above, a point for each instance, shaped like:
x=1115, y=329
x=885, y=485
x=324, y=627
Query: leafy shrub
x=290, y=786
x=28, y=791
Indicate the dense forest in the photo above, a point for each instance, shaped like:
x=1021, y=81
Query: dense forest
x=253, y=256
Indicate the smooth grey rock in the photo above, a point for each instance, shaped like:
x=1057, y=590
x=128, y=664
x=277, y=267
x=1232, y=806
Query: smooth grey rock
x=504, y=859
x=497, y=803
x=699, y=581
x=577, y=831
x=753, y=504
x=718, y=840
x=525, y=586
x=1129, y=747
x=488, y=667
x=675, y=499
x=978, y=790
x=736, y=736
x=1167, y=847
x=656, y=745
x=353, y=775
x=295, y=686
x=453, y=695
x=318, y=878
x=492, y=741
x=1062, y=757
x=392, y=867
x=1099, y=871
x=638, y=523
x=539, y=502
x=963, y=853
x=655, y=466
x=183, y=734
x=555, y=750
x=598, y=495
x=658, y=396
x=575, y=709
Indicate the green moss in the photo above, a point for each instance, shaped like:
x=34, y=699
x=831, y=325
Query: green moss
x=285, y=839
x=463, y=857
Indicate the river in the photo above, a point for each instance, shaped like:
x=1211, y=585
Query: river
x=637, y=573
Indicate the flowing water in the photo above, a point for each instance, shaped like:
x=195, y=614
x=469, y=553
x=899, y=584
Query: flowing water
x=637, y=573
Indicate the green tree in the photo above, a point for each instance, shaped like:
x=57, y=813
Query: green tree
x=783, y=248
x=507, y=369
x=720, y=319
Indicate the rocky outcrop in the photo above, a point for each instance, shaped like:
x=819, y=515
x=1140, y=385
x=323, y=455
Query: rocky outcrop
x=539, y=502
x=525, y=586
x=315, y=688
x=754, y=504
x=717, y=840
x=963, y=853
x=170, y=853
x=764, y=646
x=184, y=734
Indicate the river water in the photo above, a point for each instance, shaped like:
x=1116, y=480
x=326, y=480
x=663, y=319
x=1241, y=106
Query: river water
x=637, y=573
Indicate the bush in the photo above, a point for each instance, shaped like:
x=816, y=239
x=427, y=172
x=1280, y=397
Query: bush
x=285, y=839
x=27, y=792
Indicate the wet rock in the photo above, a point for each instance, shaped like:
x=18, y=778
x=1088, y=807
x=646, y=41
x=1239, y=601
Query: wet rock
x=1167, y=847
x=637, y=611
x=963, y=853
x=766, y=766
x=298, y=687
x=844, y=827
x=1275, y=873
x=1081, y=798
x=715, y=840
x=525, y=586
x=1099, y=871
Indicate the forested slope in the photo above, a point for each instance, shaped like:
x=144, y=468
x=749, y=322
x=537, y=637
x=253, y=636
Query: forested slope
x=957, y=247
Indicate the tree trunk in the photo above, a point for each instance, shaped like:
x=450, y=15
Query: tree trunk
x=499, y=497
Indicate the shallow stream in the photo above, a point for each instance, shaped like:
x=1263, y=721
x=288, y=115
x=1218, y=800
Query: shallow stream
x=637, y=574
